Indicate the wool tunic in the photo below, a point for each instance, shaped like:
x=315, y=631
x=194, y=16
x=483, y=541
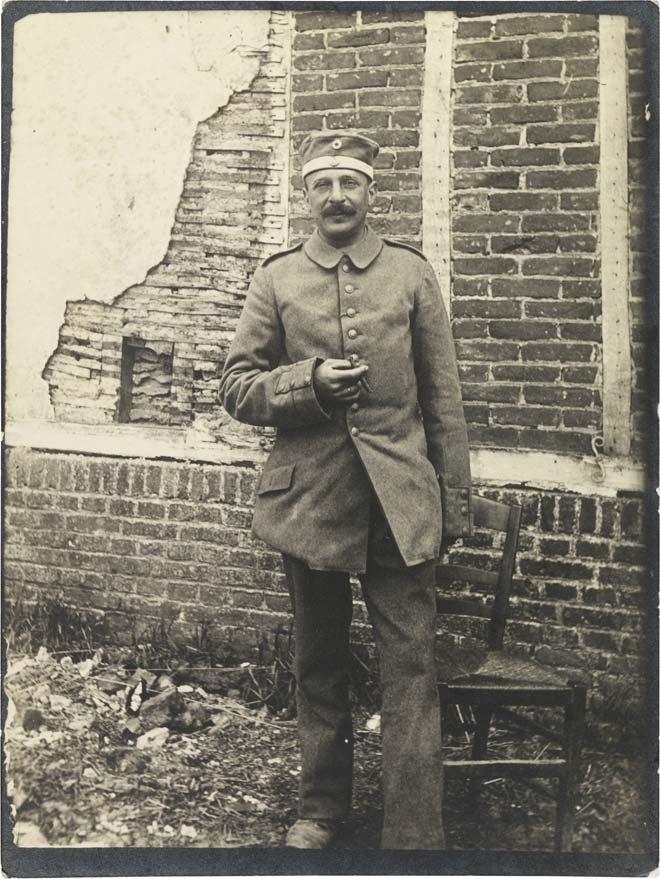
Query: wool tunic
x=405, y=442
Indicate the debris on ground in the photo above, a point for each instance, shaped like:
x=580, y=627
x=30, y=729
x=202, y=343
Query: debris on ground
x=102, y=753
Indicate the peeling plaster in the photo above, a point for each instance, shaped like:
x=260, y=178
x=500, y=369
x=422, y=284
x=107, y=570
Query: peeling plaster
x=102, y=129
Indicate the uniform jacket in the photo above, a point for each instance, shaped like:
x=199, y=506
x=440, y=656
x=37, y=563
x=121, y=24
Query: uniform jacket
x=406, y=441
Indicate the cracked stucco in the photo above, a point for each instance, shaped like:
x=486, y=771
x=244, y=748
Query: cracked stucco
x=105, y=108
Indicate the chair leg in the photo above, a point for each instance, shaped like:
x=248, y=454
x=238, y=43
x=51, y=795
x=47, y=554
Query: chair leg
x=483, y=716
x=573, y=733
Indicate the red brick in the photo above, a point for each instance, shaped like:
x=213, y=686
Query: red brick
x=370, y=37
x=582, y=155
x=303, y=82
x=301, y=42
x=486, y=137
x=469, y=244
x=557, y=351
x=523, y=416
x=557, y=441
x=557, y=396
x=581, y=22
x=473, y=72
x=486, y=180
x=488, y=266
x=522, y=201
x=392, y=57
x=468, y=116
x=407, y=77
x=390, y=98
x=559, y=91
x=468, y=29
x=310, y=21
x=485, y=223
x=526, y=287
x=527, y=69
x=324, y=101
x=528, y=24
x=521, y=156
x=578, y=133
x=489, y=94
x=562, y=309
x=493, y=392
x=521, y=113
x=408, y=34
x=356, y=79
x=582, y=288
x=578, y=244
x=579, y=201
x=406, y=118
x=469, y=159
x=550, y=222
x=324, y=61
x=522, y=330
x=583, y=110
x=493, y=308
x=503, y=437
x=560, y=265
x=575, y=179
x=579, y=374
x=486, y=350
x=562, y=47
x=391, y=16
x=488, y=51
x=307, y=122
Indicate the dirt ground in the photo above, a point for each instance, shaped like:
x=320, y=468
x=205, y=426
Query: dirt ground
x=81, y=773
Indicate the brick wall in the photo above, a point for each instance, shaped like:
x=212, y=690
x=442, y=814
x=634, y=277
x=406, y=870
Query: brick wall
x=525, y=247
x=643, y=314
x=154, y=355
x=139, y=541
x=363, y=70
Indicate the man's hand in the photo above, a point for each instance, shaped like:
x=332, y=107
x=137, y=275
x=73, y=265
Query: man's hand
x=336, y=381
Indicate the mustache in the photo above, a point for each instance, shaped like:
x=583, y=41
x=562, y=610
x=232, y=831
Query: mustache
x=338, y=211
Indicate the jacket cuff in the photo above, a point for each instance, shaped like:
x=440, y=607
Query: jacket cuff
x=457, y=516
x=297, y=380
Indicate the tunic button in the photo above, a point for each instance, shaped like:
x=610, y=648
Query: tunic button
x=355, y=407
x=345, y=267
x=352, y=334
x=355, y=431
x=350, y=312
x=349, y=288
x=464, y=509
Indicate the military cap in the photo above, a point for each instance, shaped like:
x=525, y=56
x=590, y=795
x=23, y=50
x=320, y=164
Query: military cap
x=337, y=149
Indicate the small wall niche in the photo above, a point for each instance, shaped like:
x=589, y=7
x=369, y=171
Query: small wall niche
x=146, y=383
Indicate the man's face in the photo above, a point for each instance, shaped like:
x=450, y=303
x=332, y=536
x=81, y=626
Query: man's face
x=338, y=201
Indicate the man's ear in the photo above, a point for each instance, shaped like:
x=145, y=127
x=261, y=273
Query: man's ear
x=306, y=196
x=373, y=191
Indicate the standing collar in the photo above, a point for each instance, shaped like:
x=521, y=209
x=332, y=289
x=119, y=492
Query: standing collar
x=361, y=254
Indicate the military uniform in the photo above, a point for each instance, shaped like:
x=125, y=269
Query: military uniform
x=370, y=488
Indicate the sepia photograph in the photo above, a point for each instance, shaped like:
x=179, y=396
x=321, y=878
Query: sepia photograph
x=330, y=386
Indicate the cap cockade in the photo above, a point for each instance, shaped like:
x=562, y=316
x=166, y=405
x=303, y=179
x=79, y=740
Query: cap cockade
x=334, y=149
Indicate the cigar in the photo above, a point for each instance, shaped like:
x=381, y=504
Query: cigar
x=363, y=381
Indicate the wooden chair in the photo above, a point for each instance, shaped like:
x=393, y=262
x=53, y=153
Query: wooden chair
x=487, y=678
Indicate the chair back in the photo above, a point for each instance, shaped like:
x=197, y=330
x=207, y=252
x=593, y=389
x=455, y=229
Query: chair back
x=494, y=516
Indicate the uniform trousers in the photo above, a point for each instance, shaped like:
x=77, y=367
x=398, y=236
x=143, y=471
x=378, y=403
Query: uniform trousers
x=402, y=610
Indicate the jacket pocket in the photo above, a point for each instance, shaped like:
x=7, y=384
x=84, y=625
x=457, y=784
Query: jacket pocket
x=277, y=479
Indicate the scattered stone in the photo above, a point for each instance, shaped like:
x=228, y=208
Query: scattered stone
x=59, y=703
x=32, y=719
x=153, y=738
x=193, y=718
x=28, y=835
x=162, y=709
x=373, y=724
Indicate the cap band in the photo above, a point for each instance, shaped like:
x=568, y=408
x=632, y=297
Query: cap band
x=322, y=163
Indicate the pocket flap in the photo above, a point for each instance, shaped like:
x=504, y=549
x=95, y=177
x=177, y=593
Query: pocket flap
x=276, y=479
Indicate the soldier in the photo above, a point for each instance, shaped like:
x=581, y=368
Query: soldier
x=344, y=345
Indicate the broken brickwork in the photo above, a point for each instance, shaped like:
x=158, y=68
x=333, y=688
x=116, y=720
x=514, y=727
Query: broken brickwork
x=154, y=355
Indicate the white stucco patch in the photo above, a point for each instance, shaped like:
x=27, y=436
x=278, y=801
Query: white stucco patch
x=105, y=107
